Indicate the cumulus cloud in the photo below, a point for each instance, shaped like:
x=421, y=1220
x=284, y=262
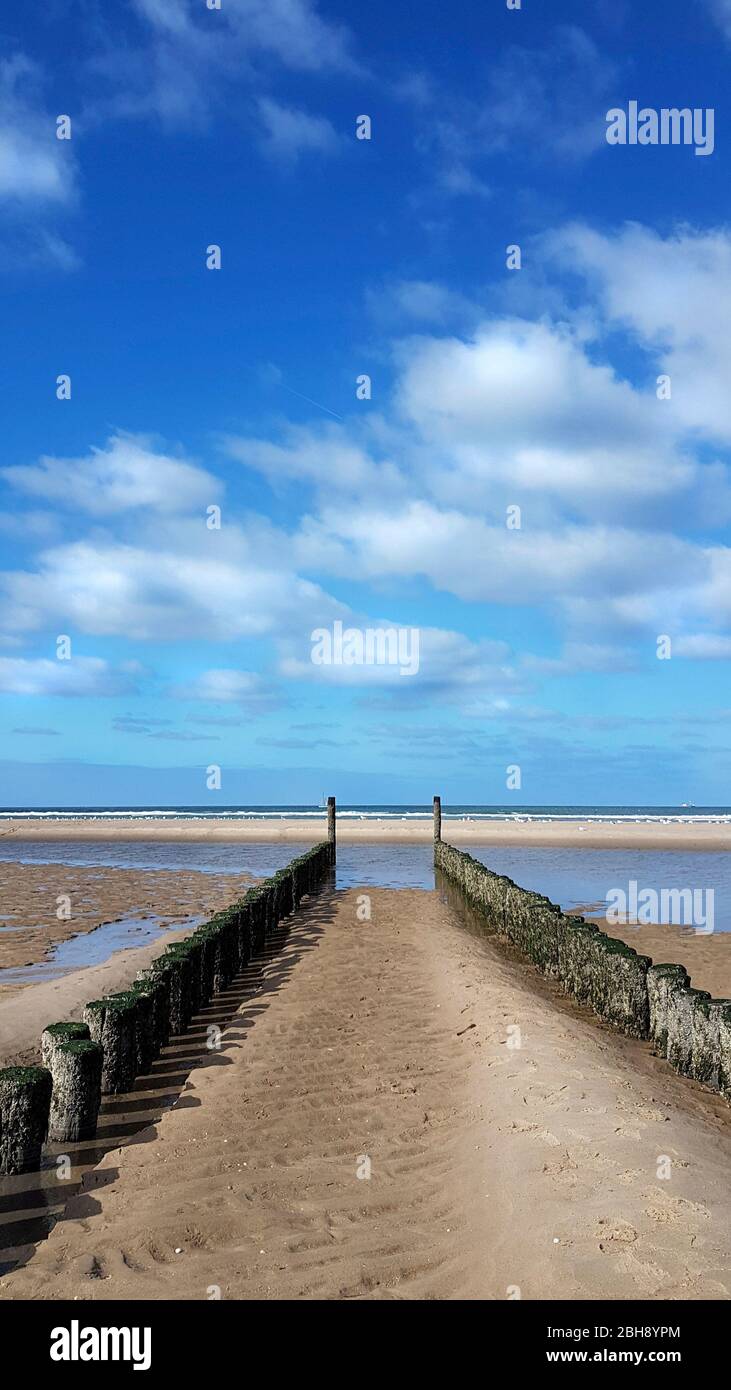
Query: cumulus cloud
x=231, y=687
x=673, y=294
x=514, y=410
x=81, y=676
x=328, y=456
x=183, y=582
x=609, y=480
x=126, y=474
x=523, y=404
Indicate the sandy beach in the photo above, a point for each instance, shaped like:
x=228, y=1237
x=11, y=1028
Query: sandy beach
x=369, y=1132
x=686, y=835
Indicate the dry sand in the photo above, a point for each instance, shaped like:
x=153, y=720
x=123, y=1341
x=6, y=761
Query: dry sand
x=579, y=834
x=491, y=1166
x=706, y=958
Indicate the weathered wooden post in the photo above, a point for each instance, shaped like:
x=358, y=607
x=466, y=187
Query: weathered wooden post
x=76, y=1068
x=331, y=827
x=112, y=1023
x=56, y=1034
x=437, y=819
x=25, y=1100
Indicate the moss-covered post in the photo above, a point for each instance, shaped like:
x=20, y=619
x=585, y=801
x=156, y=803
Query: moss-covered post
x=157, y=987
x=662, y=979
x=56, y=1034
x=113, y=1023
x=145, y=1043
x=437, y=821
x=76, y=1068
x=25, y=1101
x=708, y=1016
x=682, y=1006
x=724, y=1054
x=331, y=827
x=177, y=968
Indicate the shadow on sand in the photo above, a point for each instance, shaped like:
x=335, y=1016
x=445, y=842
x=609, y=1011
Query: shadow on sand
x=32, y=1203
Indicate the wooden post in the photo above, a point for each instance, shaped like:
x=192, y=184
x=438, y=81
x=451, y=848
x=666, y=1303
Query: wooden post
x=437, y=818
x=331, y=826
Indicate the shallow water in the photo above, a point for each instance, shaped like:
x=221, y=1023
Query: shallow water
x=574, y=878
x=89, y=948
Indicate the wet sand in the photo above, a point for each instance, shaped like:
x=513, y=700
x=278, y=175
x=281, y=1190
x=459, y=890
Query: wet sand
x=24, y=1013
x=30, y=893
x=578, y=835
x=30, y=931
x=371, y=1131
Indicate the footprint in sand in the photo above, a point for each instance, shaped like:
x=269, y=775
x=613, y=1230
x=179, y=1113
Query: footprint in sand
x=666, y=1210
x=620, y=1232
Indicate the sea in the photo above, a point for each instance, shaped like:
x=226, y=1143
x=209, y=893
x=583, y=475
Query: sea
x=666, y=814
x=574, y=877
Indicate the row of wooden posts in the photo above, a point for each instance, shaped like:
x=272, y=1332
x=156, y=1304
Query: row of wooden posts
x=119, y=1037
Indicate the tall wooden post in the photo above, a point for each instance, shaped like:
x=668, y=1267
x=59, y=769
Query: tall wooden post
x=331, y=826
x=437, y=818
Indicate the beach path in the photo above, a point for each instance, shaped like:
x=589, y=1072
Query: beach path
x=372, y=1129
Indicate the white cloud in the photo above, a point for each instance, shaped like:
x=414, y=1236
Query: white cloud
x=231, y=687
x=81, y=676
x=186, y=583
x=127, y=473
x=327, y=456
x=522, y=406
x=526, y=413
x=674, y=294
x=422, y=301
x=467, y=556
x=610, y=482
x=515, y=412
x=448, y=662
x=188, y=56
x=287, y=132
x=703, y=646
x=35, y=167
x=291, y=30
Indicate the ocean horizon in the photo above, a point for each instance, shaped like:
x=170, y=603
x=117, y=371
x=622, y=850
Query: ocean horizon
x=381, y=811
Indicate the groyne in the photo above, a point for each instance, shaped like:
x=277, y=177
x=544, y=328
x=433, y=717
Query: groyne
x=644, y=1000
x=121, y=1035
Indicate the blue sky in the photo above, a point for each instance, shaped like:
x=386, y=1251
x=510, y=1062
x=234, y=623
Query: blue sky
x=491, y=388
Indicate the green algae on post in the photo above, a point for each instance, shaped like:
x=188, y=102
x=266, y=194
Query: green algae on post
x=25, y=1101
